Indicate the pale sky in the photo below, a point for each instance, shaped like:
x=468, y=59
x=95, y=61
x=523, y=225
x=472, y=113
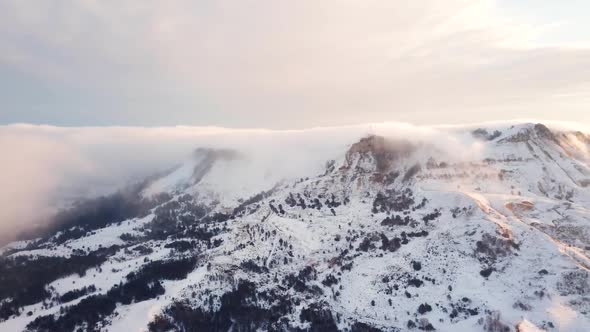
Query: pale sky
x=292, y=64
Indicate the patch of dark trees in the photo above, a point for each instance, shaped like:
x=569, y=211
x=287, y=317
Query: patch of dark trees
x=424, y=308
x=403, y=281
x=290, y=200
x=181, y=245
x=396, y=201
x=320, y=317
x=431, y=216
x=420, y=205
x=298, y=201
x=251, y=205
x=314, y=203
x=421, y=233
x=251, y=266
x=185, y=219
x=490, y=248
x=76, y=293
x=367, y=243
x=393, y=201
x=463, y=309
x=457, y=211
x=417, y=266
x=299, y=282
x=486, y=272
x=388, y=244
x=279, y=210
x=332, y=202
x=396, y=220
x=143, y=250
x=246, y=309
x=415, y=282
x=142, y=285
x=330, y=280
x=238, y=310
x=90, y=310
x=362, y=327
x=423, y=324
x=92, y=214
x=23, y=279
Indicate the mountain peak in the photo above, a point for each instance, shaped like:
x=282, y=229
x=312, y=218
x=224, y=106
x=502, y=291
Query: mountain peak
x=381, y=151
x=545, y=133
x=529, y=131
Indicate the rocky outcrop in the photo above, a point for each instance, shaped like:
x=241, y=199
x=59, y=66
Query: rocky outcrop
x=377, y=154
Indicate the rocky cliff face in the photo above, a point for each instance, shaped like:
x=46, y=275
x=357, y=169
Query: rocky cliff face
x=395, y=235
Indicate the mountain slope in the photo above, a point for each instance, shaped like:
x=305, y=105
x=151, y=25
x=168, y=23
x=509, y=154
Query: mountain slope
x=394, y=234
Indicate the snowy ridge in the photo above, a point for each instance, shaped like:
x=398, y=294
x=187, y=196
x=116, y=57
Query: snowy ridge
x=394, y=234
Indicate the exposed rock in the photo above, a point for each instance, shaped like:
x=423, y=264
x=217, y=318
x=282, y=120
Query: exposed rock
x=383, y=152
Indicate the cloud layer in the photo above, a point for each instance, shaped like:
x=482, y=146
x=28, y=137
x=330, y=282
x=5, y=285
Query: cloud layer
x=281, y=64
x=45, y=167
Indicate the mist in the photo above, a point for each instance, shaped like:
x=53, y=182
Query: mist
x=45, y=168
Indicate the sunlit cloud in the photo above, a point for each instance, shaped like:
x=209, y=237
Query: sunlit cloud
x=285, y=64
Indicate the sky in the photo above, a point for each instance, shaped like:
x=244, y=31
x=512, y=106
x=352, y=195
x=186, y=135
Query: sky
x=285, y=64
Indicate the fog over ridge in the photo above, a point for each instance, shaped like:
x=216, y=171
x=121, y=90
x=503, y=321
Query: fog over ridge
x=44, y=167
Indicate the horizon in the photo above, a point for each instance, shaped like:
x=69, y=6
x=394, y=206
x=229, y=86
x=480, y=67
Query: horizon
x=581, y=125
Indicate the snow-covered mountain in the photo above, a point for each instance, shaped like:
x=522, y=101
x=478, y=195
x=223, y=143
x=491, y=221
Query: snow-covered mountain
x=392, y=234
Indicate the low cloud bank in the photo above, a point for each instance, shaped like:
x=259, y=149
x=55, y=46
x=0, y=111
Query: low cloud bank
x=45, y=167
